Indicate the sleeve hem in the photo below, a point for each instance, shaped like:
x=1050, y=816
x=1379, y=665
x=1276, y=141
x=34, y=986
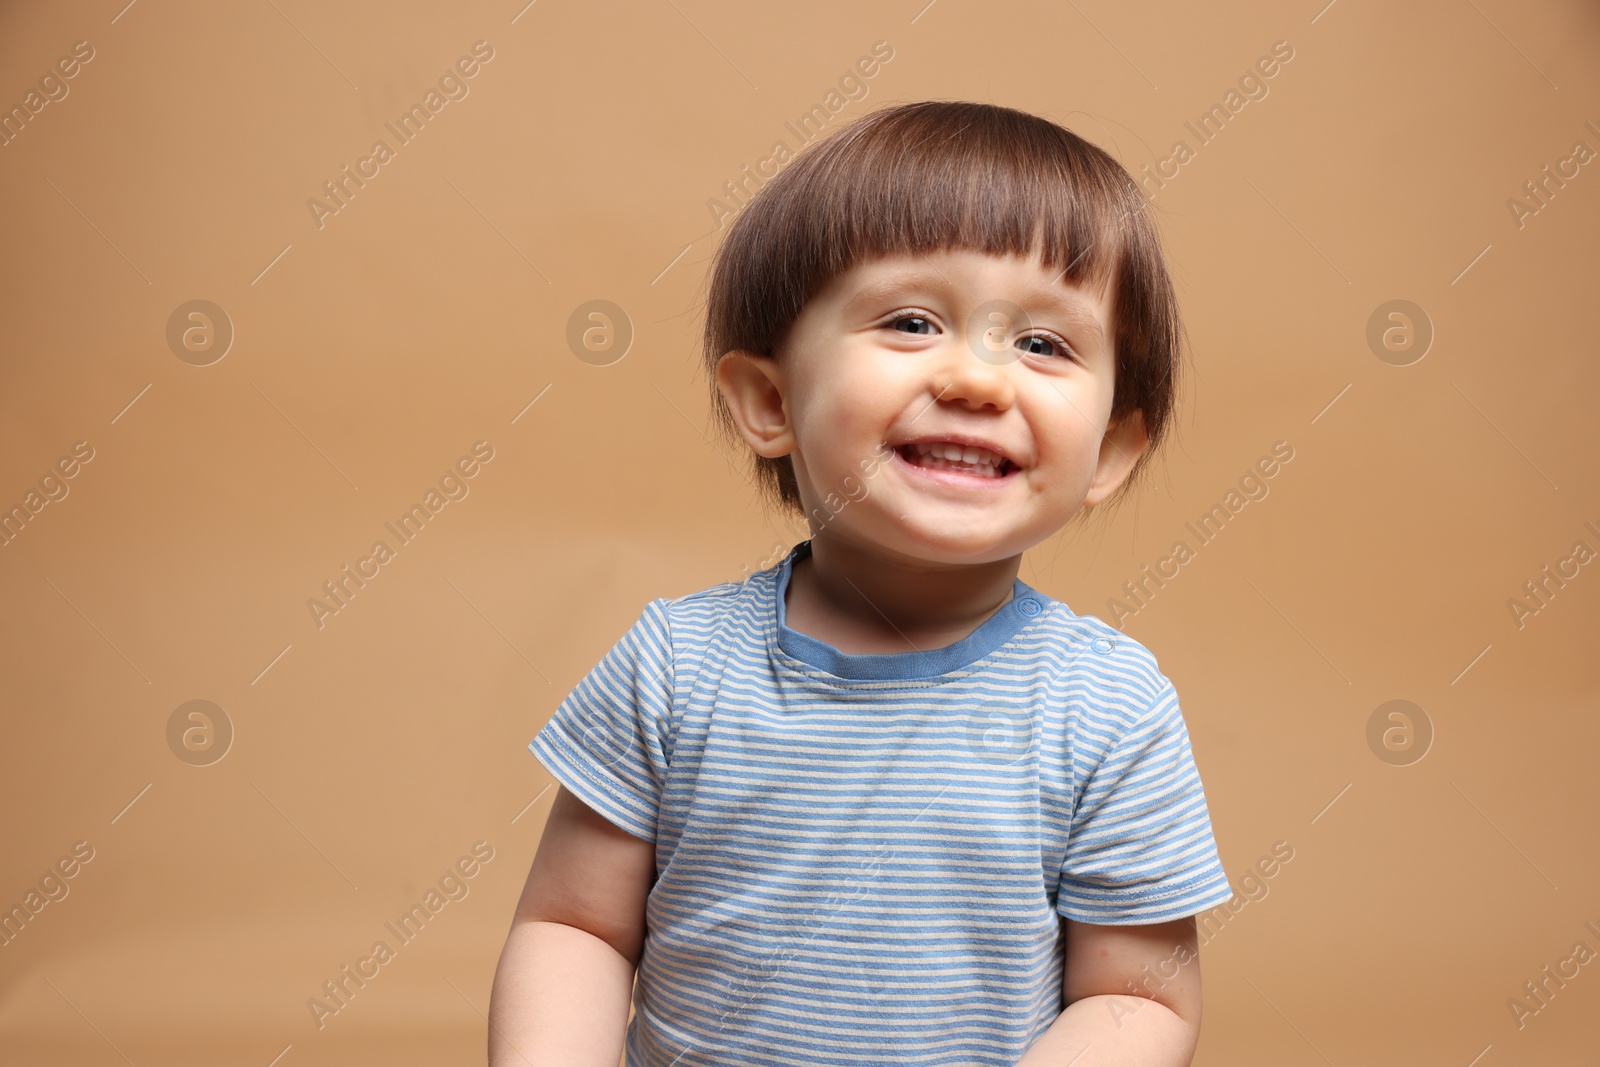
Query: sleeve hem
x=597, y=793
x=1174, y=904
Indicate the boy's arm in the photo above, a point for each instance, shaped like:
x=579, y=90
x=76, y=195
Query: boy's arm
x=565, y=979
x=1118, y=1011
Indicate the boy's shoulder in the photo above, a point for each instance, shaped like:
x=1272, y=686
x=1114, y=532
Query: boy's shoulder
x=720, y=595
x=1104, y=656
x=720, y=590
x=720, y=600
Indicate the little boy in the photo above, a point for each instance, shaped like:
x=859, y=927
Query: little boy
x=885, y=803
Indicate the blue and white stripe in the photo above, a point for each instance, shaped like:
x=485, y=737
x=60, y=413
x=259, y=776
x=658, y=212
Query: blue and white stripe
x=865, y=858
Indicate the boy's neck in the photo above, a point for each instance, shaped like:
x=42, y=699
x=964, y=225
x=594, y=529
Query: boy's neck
x=861, y=602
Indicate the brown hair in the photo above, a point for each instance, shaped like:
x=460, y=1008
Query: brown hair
x=938, y=175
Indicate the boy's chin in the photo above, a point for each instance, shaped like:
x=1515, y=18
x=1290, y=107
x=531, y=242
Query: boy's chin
x=930, y=538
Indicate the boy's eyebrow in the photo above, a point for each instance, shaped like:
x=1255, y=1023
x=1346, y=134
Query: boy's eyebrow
x=1077, y=309
x=1066, y=300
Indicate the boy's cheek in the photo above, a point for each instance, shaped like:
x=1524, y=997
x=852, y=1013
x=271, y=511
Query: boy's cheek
x=881, y=454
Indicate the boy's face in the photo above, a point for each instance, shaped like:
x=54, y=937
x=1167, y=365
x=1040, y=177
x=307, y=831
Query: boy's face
x=903, y=351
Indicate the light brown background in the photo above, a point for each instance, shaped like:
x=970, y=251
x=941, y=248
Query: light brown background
x=427, y=314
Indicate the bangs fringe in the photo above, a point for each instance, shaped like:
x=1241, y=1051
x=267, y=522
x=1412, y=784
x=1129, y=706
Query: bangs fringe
x=999, y=184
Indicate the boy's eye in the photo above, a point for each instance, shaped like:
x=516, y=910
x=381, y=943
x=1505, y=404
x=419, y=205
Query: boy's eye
x=911, y=323
x=1038, y=346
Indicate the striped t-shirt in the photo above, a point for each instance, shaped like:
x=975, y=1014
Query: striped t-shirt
x=863, y=858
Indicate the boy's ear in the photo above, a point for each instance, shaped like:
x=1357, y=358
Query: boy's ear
x=752, y=386
x=1124, y=442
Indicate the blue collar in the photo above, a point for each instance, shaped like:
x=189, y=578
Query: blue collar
x=1025, y=605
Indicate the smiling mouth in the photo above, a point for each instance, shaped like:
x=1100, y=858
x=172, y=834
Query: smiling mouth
x=960, y=459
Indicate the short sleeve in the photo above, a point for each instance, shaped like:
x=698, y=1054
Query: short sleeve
x=607, y=741
x=1140, y=849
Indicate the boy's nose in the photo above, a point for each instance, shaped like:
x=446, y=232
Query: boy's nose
x=976, y=370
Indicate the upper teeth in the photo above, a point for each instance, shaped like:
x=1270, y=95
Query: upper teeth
x=959, y=453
